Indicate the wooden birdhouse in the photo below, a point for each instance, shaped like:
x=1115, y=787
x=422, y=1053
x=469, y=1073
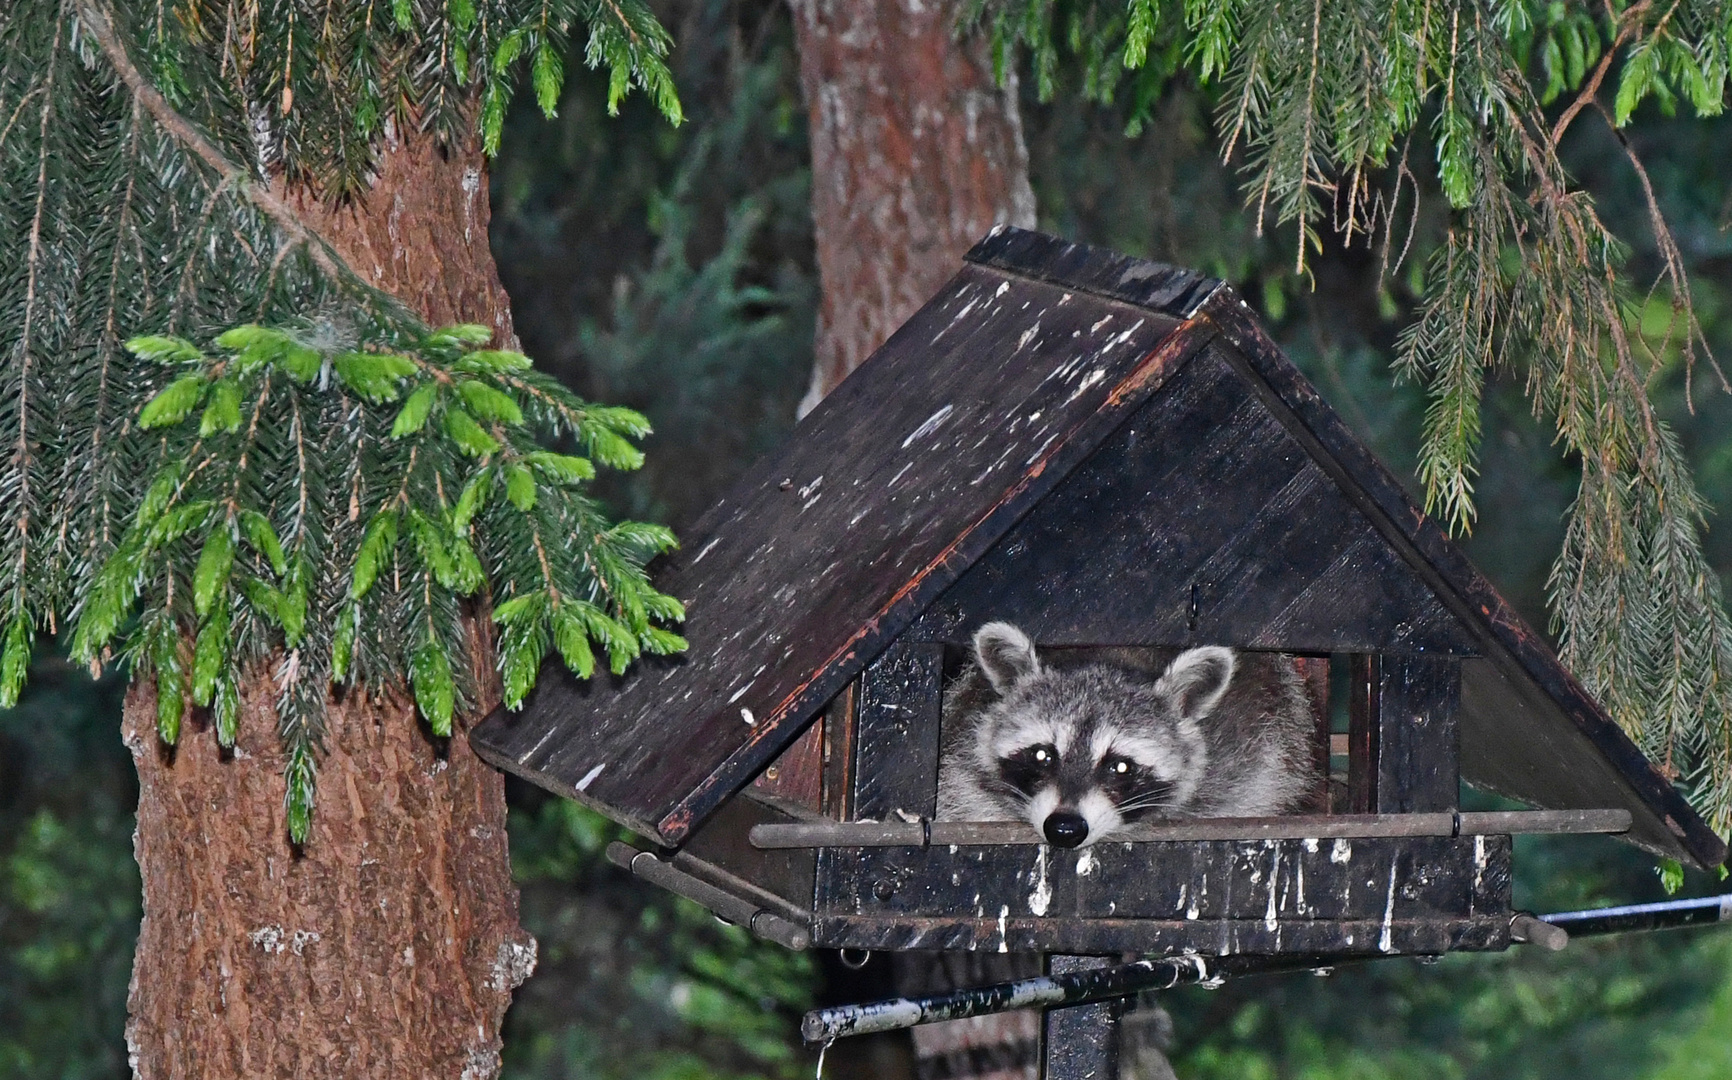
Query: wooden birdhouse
x=1108, y=453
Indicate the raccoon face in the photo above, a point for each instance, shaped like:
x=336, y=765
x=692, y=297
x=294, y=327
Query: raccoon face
x=1080, y=753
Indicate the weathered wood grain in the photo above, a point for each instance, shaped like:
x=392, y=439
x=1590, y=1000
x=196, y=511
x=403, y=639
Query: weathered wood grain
x=1417, y=766
x=797, y=774
x=839, y=727
x=1363, y=709
x=1202, y=521
x=1081, y=1042
x=1325, y=939
x=1219, y=897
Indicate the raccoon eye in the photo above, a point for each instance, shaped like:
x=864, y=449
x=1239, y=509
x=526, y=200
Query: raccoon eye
x=1029, y=768
x=1118, y=766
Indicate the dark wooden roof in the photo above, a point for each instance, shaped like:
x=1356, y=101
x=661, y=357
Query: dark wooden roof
x=1045, y=362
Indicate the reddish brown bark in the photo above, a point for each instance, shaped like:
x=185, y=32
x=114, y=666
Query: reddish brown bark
x=388, y=945
x=916, y=153
x=421, y=234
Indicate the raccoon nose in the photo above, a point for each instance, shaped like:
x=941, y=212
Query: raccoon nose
x=1065, y=829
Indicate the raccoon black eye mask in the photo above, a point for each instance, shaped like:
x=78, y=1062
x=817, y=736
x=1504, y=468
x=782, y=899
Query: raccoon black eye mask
x=1081, y=752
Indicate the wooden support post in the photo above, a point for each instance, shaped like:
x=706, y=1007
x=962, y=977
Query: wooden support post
x=896, y=737
x=839, y=728
x=1081, y=1042
x=1313, y=671
x=1362, y=709
x=1418, y=767
x=1403, y=742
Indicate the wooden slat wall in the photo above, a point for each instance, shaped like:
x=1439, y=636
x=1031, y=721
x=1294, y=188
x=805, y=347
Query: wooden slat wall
x=1332, y=896
x=1201, y=522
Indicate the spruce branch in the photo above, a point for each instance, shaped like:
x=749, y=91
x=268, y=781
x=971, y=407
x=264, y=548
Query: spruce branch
x=382, y=599
x=96, y=16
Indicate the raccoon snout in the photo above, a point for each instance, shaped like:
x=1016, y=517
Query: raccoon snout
x=1065, y=829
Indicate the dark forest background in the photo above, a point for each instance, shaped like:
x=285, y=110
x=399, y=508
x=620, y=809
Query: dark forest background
x=672, y=270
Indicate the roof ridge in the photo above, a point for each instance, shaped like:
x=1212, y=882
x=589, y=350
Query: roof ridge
x=1171, y=290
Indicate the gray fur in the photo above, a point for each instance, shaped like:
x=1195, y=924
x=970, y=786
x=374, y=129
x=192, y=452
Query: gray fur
x=1203, y=733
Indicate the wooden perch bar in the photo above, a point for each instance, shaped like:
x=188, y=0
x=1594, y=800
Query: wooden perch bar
x=725, y=905
x=1294, y=827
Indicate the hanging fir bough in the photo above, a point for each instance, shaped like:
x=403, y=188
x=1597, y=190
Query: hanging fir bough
x=1333, y=109
x=290, y=473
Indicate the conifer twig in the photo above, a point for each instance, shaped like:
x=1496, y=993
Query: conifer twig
x=101, y=25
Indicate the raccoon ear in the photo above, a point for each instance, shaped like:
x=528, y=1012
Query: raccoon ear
x=1005, y=654
x=1197, y=678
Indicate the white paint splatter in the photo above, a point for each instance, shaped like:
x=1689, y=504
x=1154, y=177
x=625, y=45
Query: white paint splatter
x=1086, y=864
x=589, y=777
x=1311, y=844
x=1088, y=380
x=1003, y=928
x=928, y=426
x=746, y=715
x=1041, y=898
x=1269, y=919
x=1341, y=852
x=1384, y=940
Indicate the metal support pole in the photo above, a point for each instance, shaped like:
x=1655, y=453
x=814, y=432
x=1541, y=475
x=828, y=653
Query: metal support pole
x=1081, y=1042
x=1095, y=982
x=1074, y=988
x=1665, y=915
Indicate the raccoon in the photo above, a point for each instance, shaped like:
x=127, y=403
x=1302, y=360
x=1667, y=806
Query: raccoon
x=1080, y=750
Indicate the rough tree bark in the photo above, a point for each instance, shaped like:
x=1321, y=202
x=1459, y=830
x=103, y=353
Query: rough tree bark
x=387, y=946
x=916, y=153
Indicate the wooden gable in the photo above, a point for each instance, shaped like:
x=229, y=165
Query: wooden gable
x=1124, y=434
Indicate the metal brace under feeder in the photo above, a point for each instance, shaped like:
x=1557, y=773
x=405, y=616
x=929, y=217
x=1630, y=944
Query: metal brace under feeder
x=1551, y=932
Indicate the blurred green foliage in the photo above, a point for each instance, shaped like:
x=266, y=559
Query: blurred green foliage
x=671, y=270
x=631, y=982
x=69, y=890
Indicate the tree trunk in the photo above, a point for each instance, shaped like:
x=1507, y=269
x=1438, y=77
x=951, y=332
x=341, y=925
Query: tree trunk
x=916, y=154
x=388, y=945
